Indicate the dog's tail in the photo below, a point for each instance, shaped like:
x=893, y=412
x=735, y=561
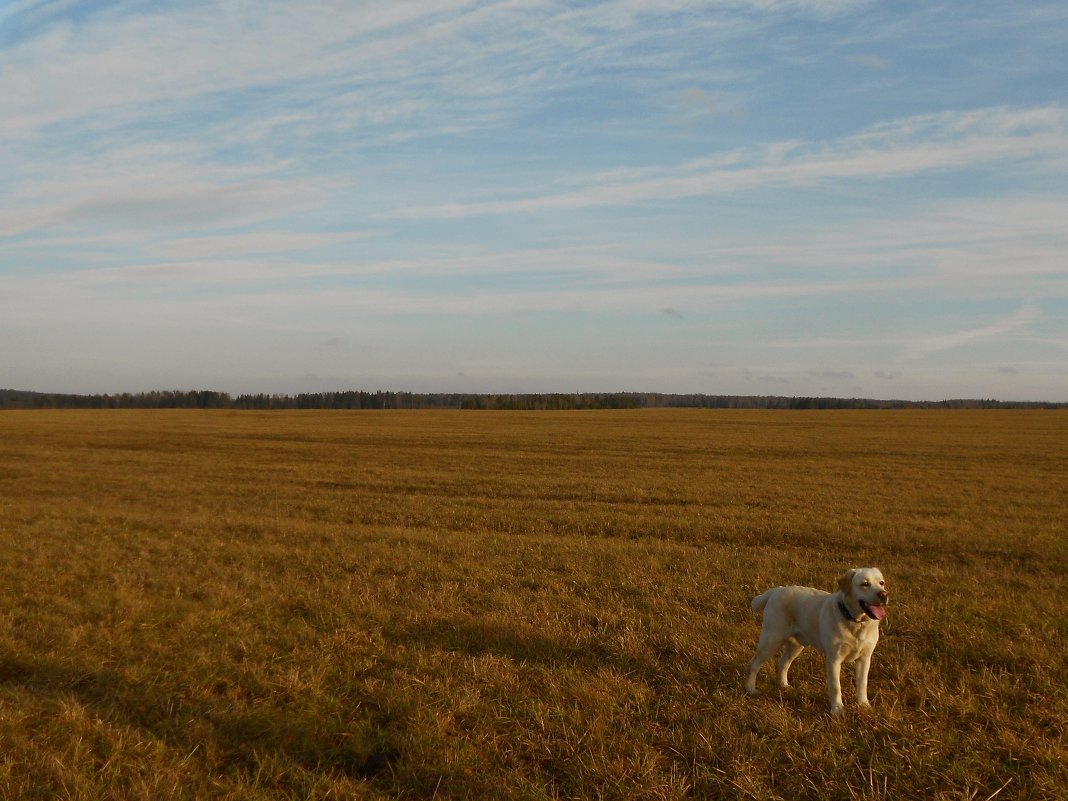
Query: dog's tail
x=761, y=601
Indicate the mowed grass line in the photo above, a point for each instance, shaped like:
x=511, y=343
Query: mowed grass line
x=522, y=605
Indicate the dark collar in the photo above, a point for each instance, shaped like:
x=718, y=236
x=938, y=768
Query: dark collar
x=849, y=615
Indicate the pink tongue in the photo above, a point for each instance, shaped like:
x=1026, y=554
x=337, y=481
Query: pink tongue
x=878, y=611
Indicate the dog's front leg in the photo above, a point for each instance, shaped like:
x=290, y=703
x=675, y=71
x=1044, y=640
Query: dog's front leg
x=862, y=678
x=834, y=682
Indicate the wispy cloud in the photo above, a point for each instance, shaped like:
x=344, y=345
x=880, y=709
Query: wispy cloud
x=1020, y=319
x=945, y=141
x=870, y=61
x=178, y=206
x=222, y=112
x=249, y=244
x=200, y=52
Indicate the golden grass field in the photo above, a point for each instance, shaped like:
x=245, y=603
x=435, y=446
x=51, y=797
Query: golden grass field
x=553, y=605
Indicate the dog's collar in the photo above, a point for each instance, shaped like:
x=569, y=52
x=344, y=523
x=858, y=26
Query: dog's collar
x=849, y=615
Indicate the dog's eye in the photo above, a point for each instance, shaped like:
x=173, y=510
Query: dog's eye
x=865, y=584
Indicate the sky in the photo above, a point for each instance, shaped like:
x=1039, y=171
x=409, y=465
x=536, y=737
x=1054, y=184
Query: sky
x=848, y=198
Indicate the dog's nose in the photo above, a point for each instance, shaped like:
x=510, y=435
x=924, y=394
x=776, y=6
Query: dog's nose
x=883, y=595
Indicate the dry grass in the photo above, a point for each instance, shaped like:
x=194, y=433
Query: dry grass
x=522, y=605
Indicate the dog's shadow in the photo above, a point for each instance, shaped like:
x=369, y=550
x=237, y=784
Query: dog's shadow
x=238, y=738
x=658, y=659
x=516, y=642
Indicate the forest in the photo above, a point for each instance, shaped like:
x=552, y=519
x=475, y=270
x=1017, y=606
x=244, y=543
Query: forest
x=381, y=399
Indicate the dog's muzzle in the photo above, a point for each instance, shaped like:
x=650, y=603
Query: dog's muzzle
x=875, y=611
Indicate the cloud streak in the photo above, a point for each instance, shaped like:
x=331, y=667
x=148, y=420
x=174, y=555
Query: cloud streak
x=998, y=329
x=946, y=141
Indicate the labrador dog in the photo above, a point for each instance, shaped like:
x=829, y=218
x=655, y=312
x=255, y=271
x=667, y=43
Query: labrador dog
x=844, y=626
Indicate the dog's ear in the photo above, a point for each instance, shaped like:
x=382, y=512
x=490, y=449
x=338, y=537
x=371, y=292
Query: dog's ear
x=845, y=581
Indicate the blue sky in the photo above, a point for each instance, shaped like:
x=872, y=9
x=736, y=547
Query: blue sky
x=788, y=197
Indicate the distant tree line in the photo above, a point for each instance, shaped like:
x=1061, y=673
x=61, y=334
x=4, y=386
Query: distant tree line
x=358, y=399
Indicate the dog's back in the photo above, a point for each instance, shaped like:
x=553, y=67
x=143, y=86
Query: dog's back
x=787, y=594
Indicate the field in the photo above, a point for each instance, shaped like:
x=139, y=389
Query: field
x=379, y=605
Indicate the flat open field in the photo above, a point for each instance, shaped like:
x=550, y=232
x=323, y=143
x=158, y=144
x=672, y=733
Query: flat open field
x=483, y=605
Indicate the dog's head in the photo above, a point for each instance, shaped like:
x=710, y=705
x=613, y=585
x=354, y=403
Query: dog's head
x=867, y=587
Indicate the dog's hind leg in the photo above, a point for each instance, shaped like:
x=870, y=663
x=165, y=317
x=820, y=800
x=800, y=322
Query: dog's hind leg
x=766, y=648
x=793, y=648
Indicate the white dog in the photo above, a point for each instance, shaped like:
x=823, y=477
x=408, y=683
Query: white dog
x=843, y=625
